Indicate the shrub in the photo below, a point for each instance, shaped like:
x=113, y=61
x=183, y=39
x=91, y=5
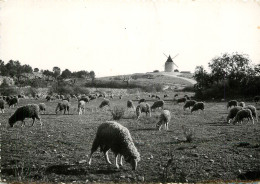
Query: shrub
x=30, y=92
x=6, y=91
x=188, y=133
x=118, y=112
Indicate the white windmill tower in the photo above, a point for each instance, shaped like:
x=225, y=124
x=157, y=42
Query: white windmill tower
x=169, y=64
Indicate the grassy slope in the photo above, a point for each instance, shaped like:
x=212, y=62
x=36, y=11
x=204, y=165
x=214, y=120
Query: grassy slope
x=53, y=152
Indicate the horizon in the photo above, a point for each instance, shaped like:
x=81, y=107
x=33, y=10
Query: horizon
x=112, y=39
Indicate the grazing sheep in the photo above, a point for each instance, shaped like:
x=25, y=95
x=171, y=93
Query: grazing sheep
x=152, y=96
x=2, y=106
x=92, y=97
x=233, y=112
x=7, y=99
x=104, y=103
x=157, y=97
x=141, y=100
x=48, y=98
x=256, y=99
x=27, y=111
x=181, y=100
x=164, y=118
x=63, y=105
x=81, y=107
x=253, y=110
x=244, y=113
x=232, y=103
x=188, y=104
x=84, y=98
x=242, y=104
x=157, y=104
x=176, y=95
x=165, y=96
x=197, y=106
x=130, y=104
x=42, y=107
x=143, y=107
x=13, y=101
x=114, y=136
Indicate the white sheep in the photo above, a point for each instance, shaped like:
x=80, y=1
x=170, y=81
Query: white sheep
x=63, y=105
x=232, y=103
x=158, y=104
x=114, y=136
x=164, y=118
x=81, y=107
x=233, y=112
x=244, y=113
x=188, y=104
x=253, y=110
x=143, y=107
x=198, y=106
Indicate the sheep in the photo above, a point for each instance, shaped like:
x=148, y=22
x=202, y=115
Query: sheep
x=13, y=101
x=152, y=96
x=176, y=95
x=143, y=107
x=81, y=107
x=2, y=106
x=197, y=106
x=141, y=100
x=187, y=97
x=157, y=104
x=165, y=96
x=63, y=105
x=27, y=111
x=233, y=112
x=42, y=107
x=157, y=97
x=120, y=97
x=104, y=103
x=84, y=98
x=92, y=97
x=244, y=113
x=256, y=99
x=164, y=118
x=188, y=104
x=114, y=136
x=253, y=110
x=181, y=100
x=232, y=103
x=48, y=98
x=130, y=104
x=242, y=104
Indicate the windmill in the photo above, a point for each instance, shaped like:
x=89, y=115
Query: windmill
x=169, y=64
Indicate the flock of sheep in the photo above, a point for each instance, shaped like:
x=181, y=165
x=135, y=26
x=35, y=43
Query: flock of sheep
x=114, y=136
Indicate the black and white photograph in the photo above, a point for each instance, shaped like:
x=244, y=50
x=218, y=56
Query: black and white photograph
x=130, y=91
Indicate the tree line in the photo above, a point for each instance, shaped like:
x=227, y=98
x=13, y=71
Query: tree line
x=230, y=75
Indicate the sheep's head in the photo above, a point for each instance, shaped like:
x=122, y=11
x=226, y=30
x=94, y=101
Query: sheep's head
x=133, y=160
x=12, y=121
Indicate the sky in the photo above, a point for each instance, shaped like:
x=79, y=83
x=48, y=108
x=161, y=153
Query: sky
x=115, y=37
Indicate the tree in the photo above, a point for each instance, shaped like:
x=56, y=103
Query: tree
x=92, y=75
x=56, y=71
x=66, y=73
x=36, y=70
x=202, y=77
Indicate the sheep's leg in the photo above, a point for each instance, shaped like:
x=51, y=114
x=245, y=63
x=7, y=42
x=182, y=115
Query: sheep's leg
x=116, y=156
x=121, y=160
x=33, y=121
x=167, y=125
x=106, y=157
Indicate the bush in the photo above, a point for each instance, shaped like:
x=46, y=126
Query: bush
x=118, y=112
x=6, y=91
x=30, y=92
x=188, y=133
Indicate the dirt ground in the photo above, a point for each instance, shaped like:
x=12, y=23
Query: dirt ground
x=58, y=152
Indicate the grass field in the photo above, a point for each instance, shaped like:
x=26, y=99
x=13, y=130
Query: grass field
x=58, y=152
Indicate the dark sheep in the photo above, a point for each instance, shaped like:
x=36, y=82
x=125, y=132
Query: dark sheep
x=181, y=100
x=198, y=106
x=157, y=104
x=232, y=103
x=13, y=101
x=27, y=111
x=141, y=100
x=188, y=104
x=130, y=104
x=105, y=102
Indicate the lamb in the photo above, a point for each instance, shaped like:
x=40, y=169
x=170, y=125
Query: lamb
x=253, y=110
x=233, y=112
x=188, y=104
x=13, y=101
x=104, y=103
x=63, y=105
x=141, y=100
x=143, y=107
x=157, y=104
x=2, y=106
x=130, y=104
x=197, y=106
x=42, y=107
x=232, y=103
x=256, y=99
x=164, y=118
x=244, y=113
x=27, y=111
x=242, y=104
x=114, y=136
x=81, y=107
